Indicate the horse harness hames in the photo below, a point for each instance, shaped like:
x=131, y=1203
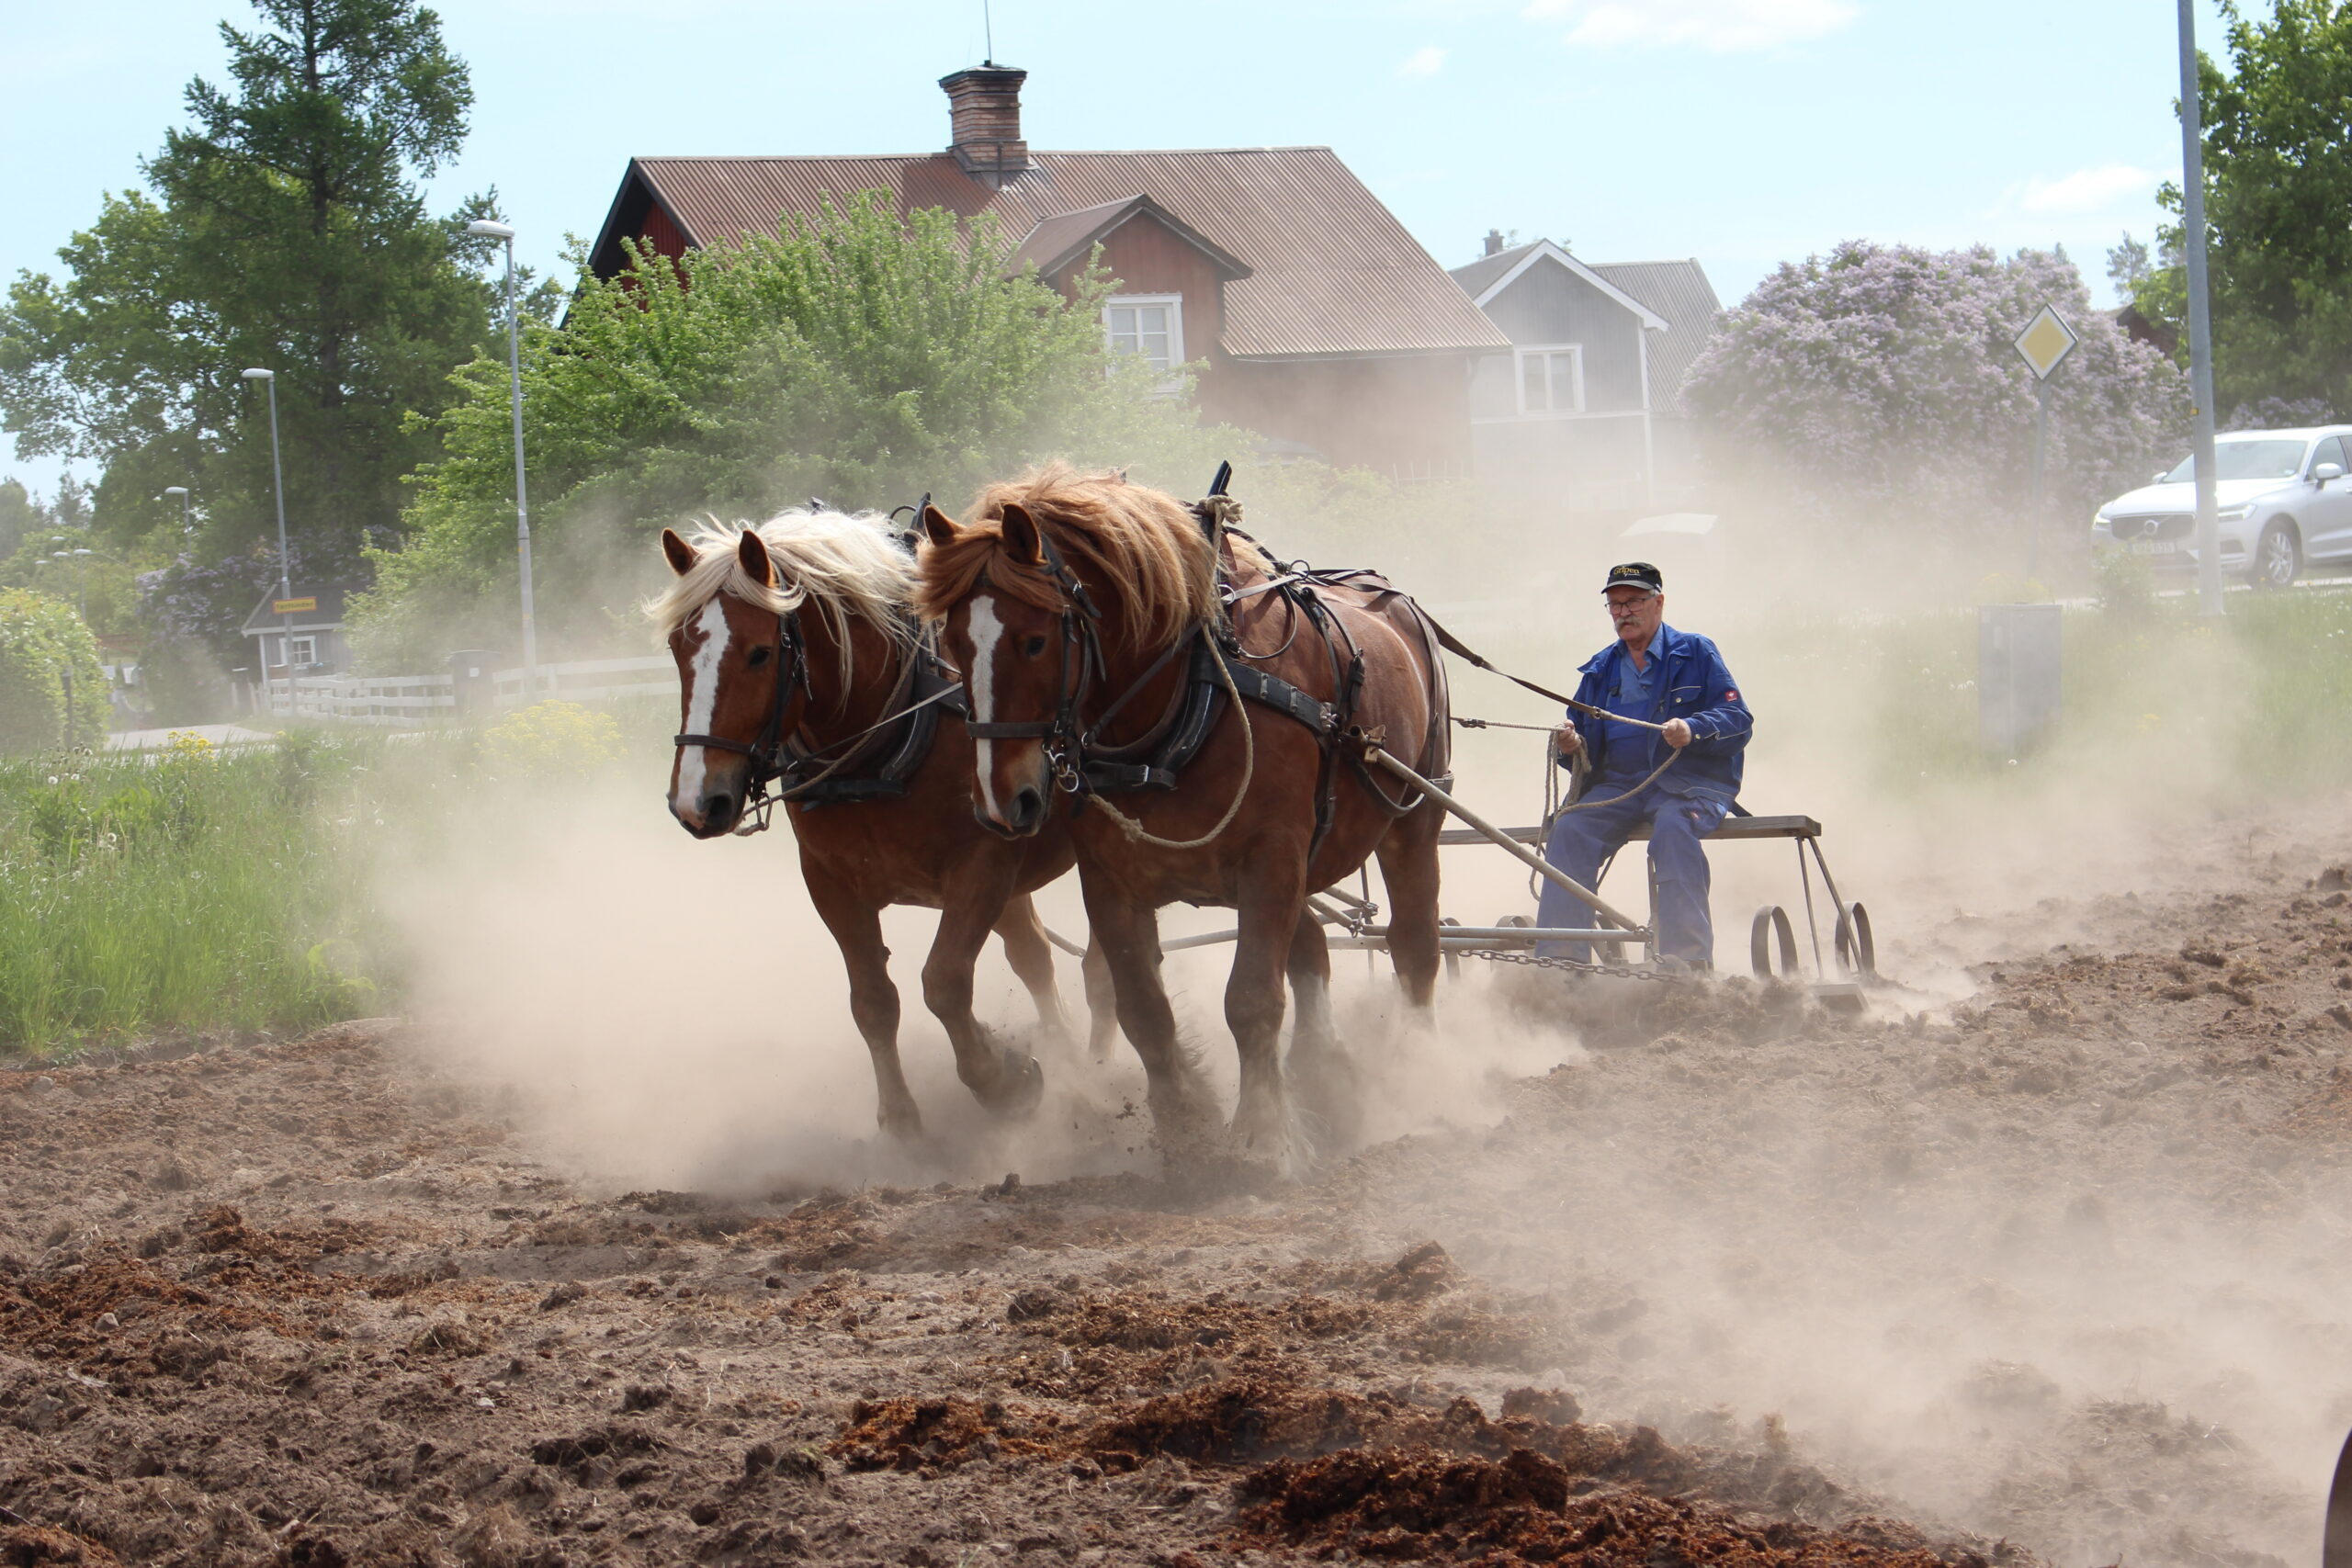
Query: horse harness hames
x=880, y=759
x=1084, y=765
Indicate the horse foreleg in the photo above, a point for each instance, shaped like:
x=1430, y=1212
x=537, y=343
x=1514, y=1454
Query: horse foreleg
x=1129, y=935
x=1408, y=865
x=1318, y=1067
x=1268, y=911
x=1000, y=1077
x=872, y=1000
x=1032, y=957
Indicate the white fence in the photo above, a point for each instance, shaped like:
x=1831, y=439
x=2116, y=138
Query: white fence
x=410, y=702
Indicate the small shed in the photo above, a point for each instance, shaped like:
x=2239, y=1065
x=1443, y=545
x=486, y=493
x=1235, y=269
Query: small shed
x=312, y=622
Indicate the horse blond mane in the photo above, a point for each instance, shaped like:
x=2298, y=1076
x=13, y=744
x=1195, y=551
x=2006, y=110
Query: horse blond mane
x=1143, y=543
x=848, y=566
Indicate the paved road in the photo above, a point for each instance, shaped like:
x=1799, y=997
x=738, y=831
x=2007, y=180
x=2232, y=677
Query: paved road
x=219, y=734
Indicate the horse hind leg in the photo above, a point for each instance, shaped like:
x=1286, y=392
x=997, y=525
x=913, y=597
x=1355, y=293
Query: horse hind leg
x=1101, y=1000
x=1408, y=866
x=1002, y=1078
x=1320, y=1070
x=1183, y=1109
x=1264, y=1125
x=1030, y=953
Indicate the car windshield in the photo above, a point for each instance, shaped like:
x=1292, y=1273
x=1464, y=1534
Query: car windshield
x=2246, y=460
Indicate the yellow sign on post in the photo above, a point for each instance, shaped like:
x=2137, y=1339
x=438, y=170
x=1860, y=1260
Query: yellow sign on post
x=292, y=606
x=2047, y=338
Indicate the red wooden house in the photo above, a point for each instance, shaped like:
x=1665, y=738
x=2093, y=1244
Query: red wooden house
x=1314, y=317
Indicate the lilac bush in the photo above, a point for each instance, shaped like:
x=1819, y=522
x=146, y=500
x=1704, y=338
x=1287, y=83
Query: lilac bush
x=1877, y=385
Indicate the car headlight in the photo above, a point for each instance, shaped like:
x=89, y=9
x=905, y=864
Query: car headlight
x=2234, y=513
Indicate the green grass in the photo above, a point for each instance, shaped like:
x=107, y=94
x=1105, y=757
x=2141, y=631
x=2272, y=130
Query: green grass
x=200, y=892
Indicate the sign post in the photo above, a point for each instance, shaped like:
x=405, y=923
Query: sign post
x=2045, y=342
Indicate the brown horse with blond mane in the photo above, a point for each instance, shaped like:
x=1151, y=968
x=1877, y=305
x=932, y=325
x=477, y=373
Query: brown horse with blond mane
x=1209, y=714
x=799, y=661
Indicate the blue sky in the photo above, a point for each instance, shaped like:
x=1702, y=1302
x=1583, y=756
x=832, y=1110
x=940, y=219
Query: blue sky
x=1742, y=133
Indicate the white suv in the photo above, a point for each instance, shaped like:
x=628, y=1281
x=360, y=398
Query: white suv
x=2284, y=497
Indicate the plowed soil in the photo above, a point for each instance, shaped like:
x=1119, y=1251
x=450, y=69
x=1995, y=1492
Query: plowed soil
x=1751, y=1283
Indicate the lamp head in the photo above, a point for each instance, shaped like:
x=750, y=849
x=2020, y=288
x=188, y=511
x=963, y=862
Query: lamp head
x=488, y=230
x=258, y=374
x=175, y=490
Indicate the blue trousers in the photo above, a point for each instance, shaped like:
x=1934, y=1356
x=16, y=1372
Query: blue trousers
x=1580, y=840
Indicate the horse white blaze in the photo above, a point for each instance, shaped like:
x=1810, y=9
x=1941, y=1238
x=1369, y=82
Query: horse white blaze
x=986, y=630
x=702, y=697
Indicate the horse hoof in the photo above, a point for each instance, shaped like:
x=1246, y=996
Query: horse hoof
x=905, y=1127
x=1020, y=1084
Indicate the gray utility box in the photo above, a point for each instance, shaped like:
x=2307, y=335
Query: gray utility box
x=471, y=682
x=2018, y=649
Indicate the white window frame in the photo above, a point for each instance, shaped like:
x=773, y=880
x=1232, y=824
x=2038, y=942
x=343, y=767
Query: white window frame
x=1519, y=357
x=302, y=650
x=1175, y=304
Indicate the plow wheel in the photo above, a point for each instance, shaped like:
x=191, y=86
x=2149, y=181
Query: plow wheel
x=1857, y=952
x=1772, y=930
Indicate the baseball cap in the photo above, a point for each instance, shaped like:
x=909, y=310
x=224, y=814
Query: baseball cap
x=1635, y=574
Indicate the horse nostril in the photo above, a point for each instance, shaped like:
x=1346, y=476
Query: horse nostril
x=1028, y=807
x=718, y=808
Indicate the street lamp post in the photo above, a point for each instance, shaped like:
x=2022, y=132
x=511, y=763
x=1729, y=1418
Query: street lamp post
x=285, y=570
x=522, y=504
x=2200, y=320
x=187, y=528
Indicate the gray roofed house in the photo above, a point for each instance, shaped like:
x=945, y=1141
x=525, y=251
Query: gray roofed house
x=1587, y=409
x=318, y=648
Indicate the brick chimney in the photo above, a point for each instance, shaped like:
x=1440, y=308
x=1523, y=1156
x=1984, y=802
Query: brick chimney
x=1494, y=242
x=984, y=116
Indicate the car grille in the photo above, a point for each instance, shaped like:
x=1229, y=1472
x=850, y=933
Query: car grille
x=2153, y=526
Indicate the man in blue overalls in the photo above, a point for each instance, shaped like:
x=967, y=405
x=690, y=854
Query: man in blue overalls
x=1676, y=679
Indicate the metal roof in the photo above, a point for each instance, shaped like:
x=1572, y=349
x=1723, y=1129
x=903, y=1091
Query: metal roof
x=1065, y=239
x=1677, y=290
x=1480, y=275
x=1331, y=271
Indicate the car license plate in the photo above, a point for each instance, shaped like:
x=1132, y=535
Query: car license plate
x=2155, y=547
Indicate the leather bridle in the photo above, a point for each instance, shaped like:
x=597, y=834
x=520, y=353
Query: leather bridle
x=767, y=752
x=1081, y=666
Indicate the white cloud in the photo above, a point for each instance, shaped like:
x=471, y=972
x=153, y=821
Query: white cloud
x=2087, y=190
x=1426, y=61
x=1718, y=26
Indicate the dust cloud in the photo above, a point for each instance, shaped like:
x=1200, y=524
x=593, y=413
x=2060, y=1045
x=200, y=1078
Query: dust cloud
x=2101, y=1319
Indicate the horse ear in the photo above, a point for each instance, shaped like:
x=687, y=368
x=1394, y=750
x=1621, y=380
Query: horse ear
x=680, y=554
x=753, y=551
x=937, y=527
x=1021, y=536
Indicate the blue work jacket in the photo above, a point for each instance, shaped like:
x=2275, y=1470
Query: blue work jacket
x=1688, y=681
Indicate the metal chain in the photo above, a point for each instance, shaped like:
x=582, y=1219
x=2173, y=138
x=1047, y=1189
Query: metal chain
x=1535, y=960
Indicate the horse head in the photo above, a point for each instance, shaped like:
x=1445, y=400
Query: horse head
x=1063, y=592
x=751, y=664
x=733, y=659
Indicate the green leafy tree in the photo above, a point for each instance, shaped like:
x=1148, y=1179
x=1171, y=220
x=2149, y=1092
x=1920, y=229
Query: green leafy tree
x=857, y=355
x=52, y=692
x=282, y=227
x=2278, y=145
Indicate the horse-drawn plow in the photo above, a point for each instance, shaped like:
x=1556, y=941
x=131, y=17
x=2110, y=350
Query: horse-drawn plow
x=1839, y=975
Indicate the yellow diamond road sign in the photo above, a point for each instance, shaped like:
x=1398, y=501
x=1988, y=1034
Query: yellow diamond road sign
x=2045, y=340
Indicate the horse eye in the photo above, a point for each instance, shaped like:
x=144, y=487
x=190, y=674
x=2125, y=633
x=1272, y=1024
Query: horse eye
x=759, y=657
x=1032, y=646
